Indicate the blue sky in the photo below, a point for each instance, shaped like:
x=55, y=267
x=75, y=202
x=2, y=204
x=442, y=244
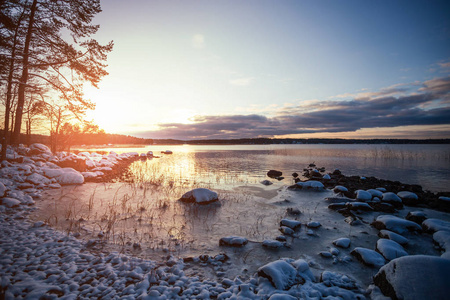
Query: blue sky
x=229, y=69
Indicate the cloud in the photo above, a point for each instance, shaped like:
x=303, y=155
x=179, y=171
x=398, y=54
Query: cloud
x=387, y=108
x=245, y=81
x=198, y=41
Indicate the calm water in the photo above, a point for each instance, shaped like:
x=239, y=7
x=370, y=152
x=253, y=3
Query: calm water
x=224, y=166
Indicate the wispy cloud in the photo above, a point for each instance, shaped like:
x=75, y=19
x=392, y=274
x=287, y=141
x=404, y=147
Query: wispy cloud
x=395, y=106
x=244, y=81
x=198, y=41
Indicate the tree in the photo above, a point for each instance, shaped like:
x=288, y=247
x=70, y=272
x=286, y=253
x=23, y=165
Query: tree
x=56, y=50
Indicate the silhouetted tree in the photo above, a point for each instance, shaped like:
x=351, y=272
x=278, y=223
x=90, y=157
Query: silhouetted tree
x=47, y=56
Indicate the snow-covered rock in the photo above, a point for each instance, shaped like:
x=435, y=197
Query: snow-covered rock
x=64, y=176
x=9, y=202
x=375, y=193
x=281, y=274
x=442, y=238
x=36, y=149
x=395, y=224
x=368, y=257
x=342, y=242
x=311, y=185
x=415, y=277
x=200, y=195
x=390, y=249
x=408, y=198
x=393, y=199
x=2, y=189
x=293, y=224
x=266, y=182
x=235, y=241
x=393, y=236
x=416, y=216
x=362, y=195
x=363, y=206
x=433, y=225
x=273, y=244
x=340, y=189
x=36, y=178
x=313, y=224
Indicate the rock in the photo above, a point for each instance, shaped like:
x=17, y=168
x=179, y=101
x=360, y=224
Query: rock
x=395, y=224
x=342, y=242
x=393, y=199
x=293, y=224
x=281, y=274
x=266, y=182
x=295, y=174
x=415, y=277
x=326, y=254
x=36, y=178
x=326, y=177
x=442, y=239
x=273, y=244
x=408, y=198
x=308, y=185
x=274, y=173
x=362, y=206
x=339, y=280
x=362, y=195
x=416, y=216
x=313, y=224
x=2, y=190
x=234, y=241
x=200, y=196
x=64, y=176
x=36, y=149
x=375, y=193
x=390, y=249
x=167, y=152
x=368, y=257
x=340, y=189
x=433, y=225
x=443, y=203
x=286, y=230
x=393, y=236
x=9, y=202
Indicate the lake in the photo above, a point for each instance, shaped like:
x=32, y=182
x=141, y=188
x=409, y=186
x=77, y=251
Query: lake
x=228, y=165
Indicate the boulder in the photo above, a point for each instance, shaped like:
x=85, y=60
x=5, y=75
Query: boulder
x=293, y=224
x=312, y=185
x=342, y=242
x=362, y=195
x=416, y=216
x=234, y=241
x=9, y=202
x=390, y=249
x=36, y=149
x=200, y=196
x=408, y=198
x=368, y=257
x=392, y=199
x=64, y=176
x=415, y=277
x=281, y=274
x=433, y=225
x=386, y=234
x=395, y=224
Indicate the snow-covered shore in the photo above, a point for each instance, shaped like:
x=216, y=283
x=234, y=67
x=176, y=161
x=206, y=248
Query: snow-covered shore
x=37, y=261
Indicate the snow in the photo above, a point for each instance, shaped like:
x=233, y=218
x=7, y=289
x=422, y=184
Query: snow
x=375, y=193
x=9, y=202
x=293, y=224
x=340, y=189
x=368, y=257
x=390, y=249
x=391, y=198
x=235, y=241
x=64, y=176
x=442, y=238
x=2, y=189
x=393, y=236
x=200, y=195
x=312, y=185
x=281, y=274
x=395, y=224
x=363, y=195
x=407, y=195
x=433, y=225
x=415, y=277
x=342, y=242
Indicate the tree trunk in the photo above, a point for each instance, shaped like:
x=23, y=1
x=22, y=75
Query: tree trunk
x=24, y=78
x=5, y=138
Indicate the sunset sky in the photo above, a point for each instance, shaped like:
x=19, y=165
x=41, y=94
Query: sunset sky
x=255, y=68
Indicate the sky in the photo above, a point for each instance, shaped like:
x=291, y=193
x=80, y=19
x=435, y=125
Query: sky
x=287, y=68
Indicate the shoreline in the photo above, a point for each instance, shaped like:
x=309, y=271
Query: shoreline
x=152, y=278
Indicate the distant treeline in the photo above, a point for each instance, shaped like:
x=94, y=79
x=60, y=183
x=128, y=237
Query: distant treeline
x=89, y=139
x=269, y=141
